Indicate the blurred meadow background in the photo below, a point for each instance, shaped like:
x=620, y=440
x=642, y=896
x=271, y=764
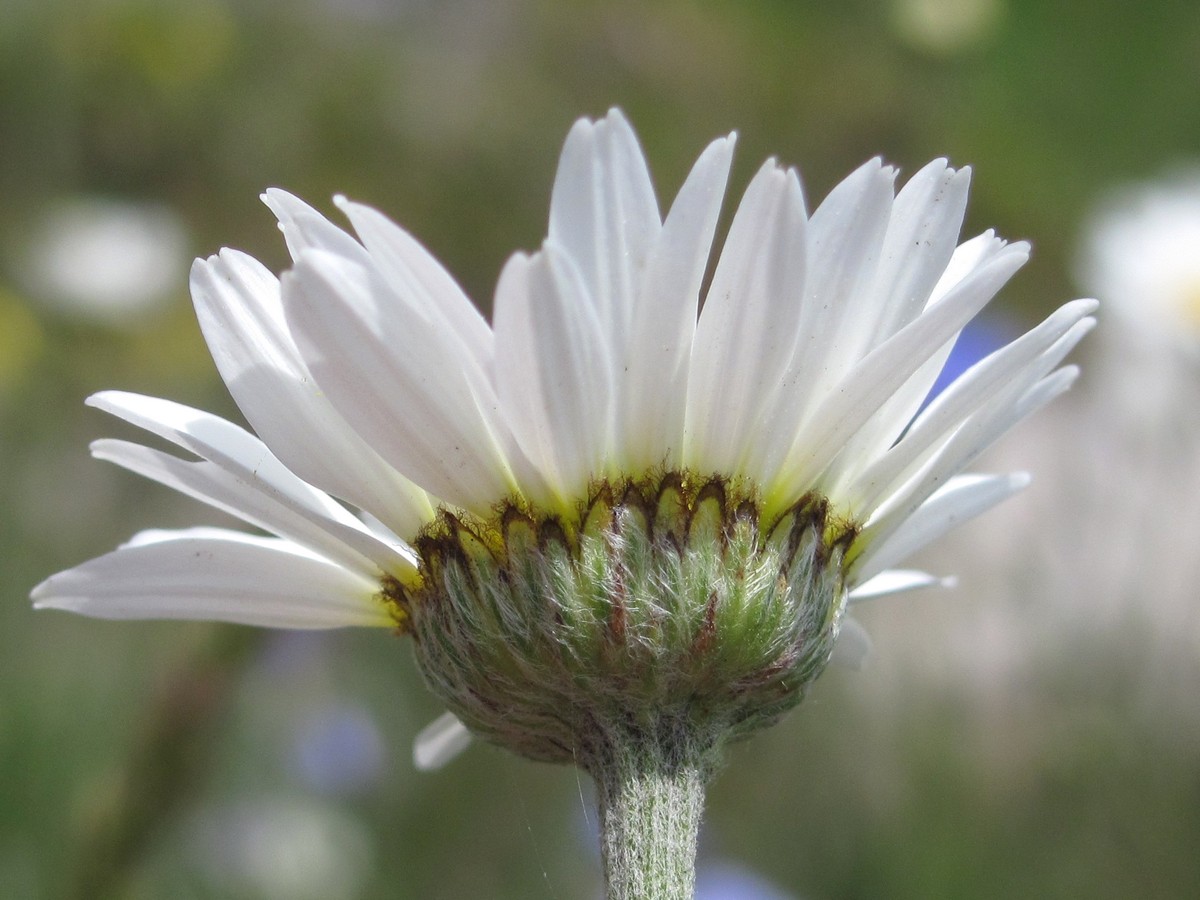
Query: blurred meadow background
x=1034, y=732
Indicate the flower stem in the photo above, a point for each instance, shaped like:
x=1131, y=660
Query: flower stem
x=650, y=785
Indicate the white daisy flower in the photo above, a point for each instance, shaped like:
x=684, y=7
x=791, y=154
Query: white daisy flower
x=614, y=516
x=1141, y=251
x=107, y=260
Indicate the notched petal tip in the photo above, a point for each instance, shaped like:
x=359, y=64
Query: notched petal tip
x=284, y=205
x=42, y=595
x=201, y=266
x=795, y=191
x=581, y=130
x=276, y=195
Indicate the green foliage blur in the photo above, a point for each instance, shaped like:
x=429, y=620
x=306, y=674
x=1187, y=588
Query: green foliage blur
x=145, y=760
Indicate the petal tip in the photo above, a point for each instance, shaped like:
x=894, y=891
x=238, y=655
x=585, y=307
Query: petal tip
x=1018, y=481
x=439, y=742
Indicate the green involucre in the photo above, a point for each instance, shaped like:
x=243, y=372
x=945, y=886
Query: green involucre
x=666, y=603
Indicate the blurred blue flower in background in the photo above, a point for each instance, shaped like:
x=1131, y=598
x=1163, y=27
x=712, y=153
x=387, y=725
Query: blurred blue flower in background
x=338, y=749
x=981, y=336
x=727, y=881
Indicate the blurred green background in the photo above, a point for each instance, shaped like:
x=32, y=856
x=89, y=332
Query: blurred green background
x=280, y=765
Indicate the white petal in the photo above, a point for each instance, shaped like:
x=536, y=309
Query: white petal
x=875, y=379
x=338, y=539
x=1040, y=348
x=853, y=645
x=920, y=240
x=897, y=581
x=1027, y=392
x=238, y=305
x=655, y=370
x=225, y=577
x=879, y=433
x=246, y=458
x=553, y=369
x=845, y=239
x=1053, y=385
x=604, y=215
x=394, y=375
x=748, y=326
x=210, y=532
x=967, y=257
x=439, y=742
x=212, y=438
x=413, y=272
x=306, y=229
x=965, y=497
x=918, y=247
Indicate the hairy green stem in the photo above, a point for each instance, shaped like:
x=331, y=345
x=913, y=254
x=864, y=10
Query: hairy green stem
x=650, y=787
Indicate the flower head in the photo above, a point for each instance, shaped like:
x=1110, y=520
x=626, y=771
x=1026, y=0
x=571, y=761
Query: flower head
x=611, y=498
x=1141, y=248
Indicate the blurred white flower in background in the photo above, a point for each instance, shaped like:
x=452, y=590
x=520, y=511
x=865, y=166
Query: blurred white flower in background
x=1100, y=562
x=282, y=848
x=946, y=27
x=105, y=260
x=1139, y=422
x=1141, y=253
